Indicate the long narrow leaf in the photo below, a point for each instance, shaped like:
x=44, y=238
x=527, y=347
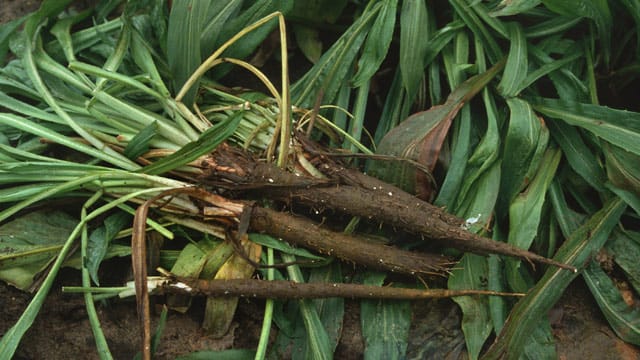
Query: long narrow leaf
x=525, y=316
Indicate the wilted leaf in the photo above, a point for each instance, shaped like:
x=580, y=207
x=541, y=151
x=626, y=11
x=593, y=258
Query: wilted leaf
x=219, y=312
x=625, y=250
x=420, y=137
x=624, y=319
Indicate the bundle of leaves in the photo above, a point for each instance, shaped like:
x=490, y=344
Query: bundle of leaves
x=130, y=104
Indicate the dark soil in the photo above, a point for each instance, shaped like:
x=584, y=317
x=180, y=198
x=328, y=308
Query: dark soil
x=62, y=331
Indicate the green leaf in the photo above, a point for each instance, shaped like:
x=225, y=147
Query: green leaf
x=525, y=211
x=471, y=273
x=267, y=240
x=580, y=157
x=139, y=144
x=232, y=354
x=100, y=239
x=219, y=15
x=514, y=7
x=385, y=324
x=630, y=198
x=468, y=14
x=623, y=319
x=330, y=310
x=623, y=168
x=248, y=44
x=377, y=43
x=479, y=202
x=541, y=344
x=317, y=339
x=576, y=250
x=208, y=141
x=520, y=144
x=596, y=10
x=30, y=242
x=414, y=36
x=515, y=71
x=327, y=74
x=484, y=156
x=7, y=30
x=625, y=250
x=619, y=127
x=186, y=22
x=460, y=152
x=308, y=40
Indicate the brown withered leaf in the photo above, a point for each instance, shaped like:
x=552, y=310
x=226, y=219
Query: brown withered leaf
x=420, y=138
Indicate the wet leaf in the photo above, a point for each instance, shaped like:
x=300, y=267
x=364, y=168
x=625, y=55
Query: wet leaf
x=623, y=319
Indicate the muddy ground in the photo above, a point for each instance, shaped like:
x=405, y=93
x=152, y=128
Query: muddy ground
x=62, y=331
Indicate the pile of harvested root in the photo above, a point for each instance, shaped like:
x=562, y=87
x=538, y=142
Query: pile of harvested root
x=244, y=194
